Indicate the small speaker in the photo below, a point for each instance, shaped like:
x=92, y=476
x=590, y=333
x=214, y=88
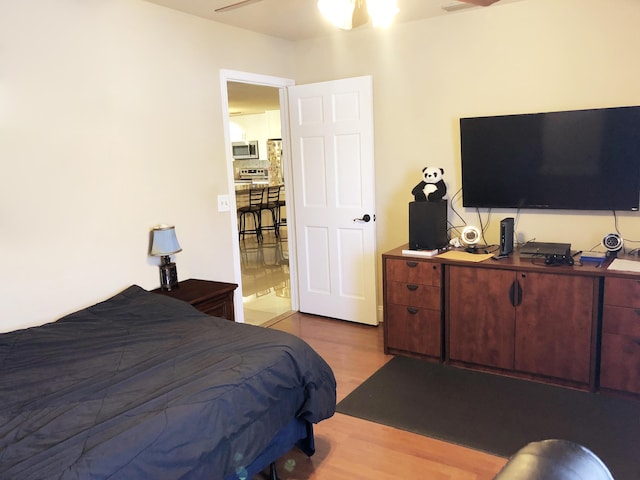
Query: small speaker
x=427, y=225
x=470, y=236
x=613, y=243
x=506, y=236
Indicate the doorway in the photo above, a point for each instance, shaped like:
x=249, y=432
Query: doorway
x=254, y=114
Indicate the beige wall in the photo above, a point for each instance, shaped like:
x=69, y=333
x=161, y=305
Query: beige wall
x=529, y=56
x=111, y=122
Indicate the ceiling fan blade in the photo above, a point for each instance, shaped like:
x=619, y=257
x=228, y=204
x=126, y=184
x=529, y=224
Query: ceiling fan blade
x=480, y=3
x=360, y=14
x=242, y=3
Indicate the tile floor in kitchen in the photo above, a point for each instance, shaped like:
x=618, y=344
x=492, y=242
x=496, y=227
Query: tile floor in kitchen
x=266, y=294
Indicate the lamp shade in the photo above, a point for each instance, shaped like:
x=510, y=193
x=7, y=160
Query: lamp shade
x=164, y=241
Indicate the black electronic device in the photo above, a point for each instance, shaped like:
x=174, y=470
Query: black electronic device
x=506, y=235
x=545, y=249
x=576, y=160
x=428, y=225
x=555, y=259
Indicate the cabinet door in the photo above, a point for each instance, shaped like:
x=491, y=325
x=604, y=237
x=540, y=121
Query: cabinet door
x=481, y=316
x=554, y=325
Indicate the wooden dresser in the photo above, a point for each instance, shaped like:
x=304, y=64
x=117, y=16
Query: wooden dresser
x=413, y=307
x=620, y=360
x=515, y=317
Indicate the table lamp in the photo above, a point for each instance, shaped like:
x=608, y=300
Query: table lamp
x=164, y=244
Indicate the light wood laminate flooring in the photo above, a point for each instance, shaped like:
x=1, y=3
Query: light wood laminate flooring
x=349, y=448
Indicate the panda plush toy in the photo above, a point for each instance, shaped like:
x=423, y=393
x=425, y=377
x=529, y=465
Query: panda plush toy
x=432, y=187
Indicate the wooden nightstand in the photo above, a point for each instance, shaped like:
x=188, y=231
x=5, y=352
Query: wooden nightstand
x=212, y=298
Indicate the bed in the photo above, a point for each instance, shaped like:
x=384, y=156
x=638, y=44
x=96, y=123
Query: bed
x=145, y=386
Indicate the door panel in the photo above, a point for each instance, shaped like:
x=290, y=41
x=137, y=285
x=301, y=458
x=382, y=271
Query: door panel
x=317, y=246
x=331, y=127
x=553, y=327
x=481, y=316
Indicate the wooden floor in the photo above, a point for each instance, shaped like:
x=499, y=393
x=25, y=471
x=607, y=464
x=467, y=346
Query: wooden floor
x=348, y=448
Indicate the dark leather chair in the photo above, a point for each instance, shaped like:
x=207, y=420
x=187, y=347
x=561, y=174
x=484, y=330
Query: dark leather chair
x=554, y=460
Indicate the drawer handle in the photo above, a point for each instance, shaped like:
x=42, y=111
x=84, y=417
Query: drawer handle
x=412, y=310
x=412, y=264
x=412, y=287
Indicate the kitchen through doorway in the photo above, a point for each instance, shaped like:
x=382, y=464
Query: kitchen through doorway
x=256, y=138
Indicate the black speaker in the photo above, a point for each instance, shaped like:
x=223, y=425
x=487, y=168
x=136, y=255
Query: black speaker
x=506, y=236
x=428, y=225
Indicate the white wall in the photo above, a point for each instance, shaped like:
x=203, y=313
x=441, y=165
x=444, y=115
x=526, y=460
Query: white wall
x=529, y=56
x=111, y=122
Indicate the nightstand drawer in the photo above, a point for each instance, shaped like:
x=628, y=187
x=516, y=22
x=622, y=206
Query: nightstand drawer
x=218, y=307
x=621, y=320
x=208, y=296
x=414, y=271
x=414, y=295
x=622, y=291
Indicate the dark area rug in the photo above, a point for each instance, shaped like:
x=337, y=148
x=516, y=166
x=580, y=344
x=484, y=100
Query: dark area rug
x=497, y=414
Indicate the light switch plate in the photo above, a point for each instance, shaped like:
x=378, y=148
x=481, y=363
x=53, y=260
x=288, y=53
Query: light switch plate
x=223, y=203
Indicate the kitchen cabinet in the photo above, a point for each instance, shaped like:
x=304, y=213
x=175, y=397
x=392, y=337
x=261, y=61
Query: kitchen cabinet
x=523, y=322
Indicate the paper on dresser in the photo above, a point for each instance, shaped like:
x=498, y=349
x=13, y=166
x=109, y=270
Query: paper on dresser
x=624, y=265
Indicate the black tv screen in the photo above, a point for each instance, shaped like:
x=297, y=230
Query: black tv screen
x=575, y=160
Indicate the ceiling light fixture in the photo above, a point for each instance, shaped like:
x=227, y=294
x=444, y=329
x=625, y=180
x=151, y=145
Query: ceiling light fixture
x=348, y=14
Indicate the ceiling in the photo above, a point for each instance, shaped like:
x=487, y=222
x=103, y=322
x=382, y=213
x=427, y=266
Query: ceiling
x=246, y=98
x=271, y=17
x=274, y=17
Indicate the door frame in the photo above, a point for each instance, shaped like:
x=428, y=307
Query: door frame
x=280, y=83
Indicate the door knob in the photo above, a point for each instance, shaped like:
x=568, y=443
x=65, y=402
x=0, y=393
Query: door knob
x=365, y=218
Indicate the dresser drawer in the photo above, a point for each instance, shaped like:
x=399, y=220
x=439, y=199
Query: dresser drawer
x=415, y=330
x=414, y=271
x=621, y=320
x=413, y=295
x=622, y=291
x=620, y=363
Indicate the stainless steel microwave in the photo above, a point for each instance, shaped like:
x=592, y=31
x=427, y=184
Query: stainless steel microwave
x=245, y=150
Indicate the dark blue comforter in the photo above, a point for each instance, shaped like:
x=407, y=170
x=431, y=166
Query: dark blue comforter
x=145, y=386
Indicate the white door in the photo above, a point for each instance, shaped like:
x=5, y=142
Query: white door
x=331, y=125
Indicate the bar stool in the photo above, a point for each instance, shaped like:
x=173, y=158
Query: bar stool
x=271, y=204
x=254, y=208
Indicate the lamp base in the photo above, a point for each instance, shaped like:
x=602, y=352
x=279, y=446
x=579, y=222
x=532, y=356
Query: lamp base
x=168, y=274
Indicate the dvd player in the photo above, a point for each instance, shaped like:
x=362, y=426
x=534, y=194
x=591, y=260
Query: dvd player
x=545, y=248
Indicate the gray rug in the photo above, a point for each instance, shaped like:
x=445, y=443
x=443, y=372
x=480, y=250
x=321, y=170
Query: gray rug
x=497, y=414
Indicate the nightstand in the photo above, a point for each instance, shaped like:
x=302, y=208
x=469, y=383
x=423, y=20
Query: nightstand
x=212, y=298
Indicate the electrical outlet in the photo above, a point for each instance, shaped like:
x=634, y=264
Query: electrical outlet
x=223, y=203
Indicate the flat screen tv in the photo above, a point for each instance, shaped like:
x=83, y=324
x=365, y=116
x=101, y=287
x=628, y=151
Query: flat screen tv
x=574, y=160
